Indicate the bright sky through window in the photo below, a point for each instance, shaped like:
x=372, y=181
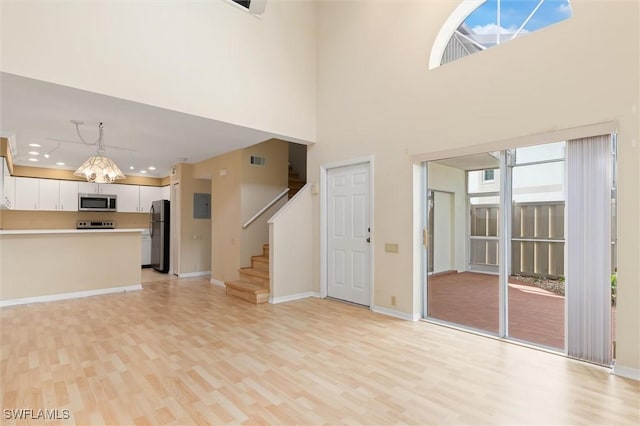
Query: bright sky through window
x=498, y=21
x=512, y=14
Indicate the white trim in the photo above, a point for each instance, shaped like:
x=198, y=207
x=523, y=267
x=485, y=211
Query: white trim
x=216, y=282
x=284, y=208
x=452, y=23
x=397, y=314
x=291, y=297
x=71, y=295
x=323, y=220
x=194, y=274
x=553, y=135
x=628, y=372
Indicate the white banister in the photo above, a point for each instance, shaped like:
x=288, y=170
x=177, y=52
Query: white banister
x=265, y=208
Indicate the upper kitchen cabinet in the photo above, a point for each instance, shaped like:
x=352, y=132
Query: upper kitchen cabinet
x=149, y=194
x=61, y=195
x=27, y=193
x=128, y=197
x=7, y=186
x=68, y=196
x=45, y=194
x=133, y=198
x=88, y=188
x=165, y=192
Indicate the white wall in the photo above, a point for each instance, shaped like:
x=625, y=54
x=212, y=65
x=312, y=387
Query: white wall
x=443, y=232
x=377, y=97
x=290, y=245
x=452, y=180
x=207, y=58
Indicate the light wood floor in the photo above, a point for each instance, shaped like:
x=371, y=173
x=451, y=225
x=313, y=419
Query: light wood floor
x=181, y=352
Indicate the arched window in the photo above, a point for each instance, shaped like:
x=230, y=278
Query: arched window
x=477, y=25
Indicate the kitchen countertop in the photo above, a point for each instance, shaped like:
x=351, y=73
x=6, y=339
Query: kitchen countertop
x=67, y=231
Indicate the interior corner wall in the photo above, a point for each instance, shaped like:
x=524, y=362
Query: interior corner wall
x=452, y=180
x=226, y=224
x=207, y=58
x=195, y=234
x=260, y=185
x=377, y=97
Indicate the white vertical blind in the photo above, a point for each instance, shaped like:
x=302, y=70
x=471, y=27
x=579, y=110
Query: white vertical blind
x=588, y=272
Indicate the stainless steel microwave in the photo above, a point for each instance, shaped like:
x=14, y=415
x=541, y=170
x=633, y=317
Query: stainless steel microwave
x=97, y=203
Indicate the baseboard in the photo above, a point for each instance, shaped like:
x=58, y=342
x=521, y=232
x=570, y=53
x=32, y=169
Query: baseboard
x=394, y=313
x=628, y=372
x=216, y=282
x=72, y=295
x=291, y=297
x=194, y=274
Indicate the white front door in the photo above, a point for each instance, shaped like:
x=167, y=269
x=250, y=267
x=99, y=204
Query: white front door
x=348, y=236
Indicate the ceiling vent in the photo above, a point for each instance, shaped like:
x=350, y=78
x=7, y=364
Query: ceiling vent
x=254, y=7
x=258, y=161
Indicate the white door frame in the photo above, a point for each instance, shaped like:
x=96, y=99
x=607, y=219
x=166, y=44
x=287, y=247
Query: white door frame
x=324, y=202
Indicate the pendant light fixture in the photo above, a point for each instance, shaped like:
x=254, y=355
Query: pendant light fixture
x=98, y=168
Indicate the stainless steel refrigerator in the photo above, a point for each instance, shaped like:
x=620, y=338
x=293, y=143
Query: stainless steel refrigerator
x=159, y=226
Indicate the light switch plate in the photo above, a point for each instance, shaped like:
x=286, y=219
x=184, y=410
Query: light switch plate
x=391, y=248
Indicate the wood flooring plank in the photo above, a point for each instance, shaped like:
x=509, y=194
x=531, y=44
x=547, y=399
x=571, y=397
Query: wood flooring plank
x=180, y=352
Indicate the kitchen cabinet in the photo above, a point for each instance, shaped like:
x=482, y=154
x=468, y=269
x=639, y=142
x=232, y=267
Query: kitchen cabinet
x=48, y=194
x=27, y=193
x=45, y=194
x=59, y=195
x=149, y=194
x=165, y=193
x=134, y=198
x=62, y=195
x=68, y=196
x=128, y=197
x=7, y=186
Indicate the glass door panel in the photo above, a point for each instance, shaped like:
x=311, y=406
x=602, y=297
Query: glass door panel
x=462, y=253
x=536, y=280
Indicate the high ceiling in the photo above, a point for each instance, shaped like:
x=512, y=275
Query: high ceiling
x=135, y=135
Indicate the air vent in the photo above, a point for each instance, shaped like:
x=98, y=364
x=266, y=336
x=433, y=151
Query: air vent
x=255, y=7
x=258, y=161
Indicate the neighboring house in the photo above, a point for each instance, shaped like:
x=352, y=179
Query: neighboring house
x=351, y=79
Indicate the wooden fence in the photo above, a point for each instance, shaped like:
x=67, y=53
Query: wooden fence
x=537, y=238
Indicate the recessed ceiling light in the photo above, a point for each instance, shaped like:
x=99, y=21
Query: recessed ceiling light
x=46, y=156
x=60, y=163
x=131, y=168
x=143, y=171
x=151, y=168
x=35, y=160
x=34, y=153
x=35, y=145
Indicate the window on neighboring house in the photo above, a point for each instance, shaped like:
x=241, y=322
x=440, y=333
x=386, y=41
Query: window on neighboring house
x=477, y=25
x=488, y=176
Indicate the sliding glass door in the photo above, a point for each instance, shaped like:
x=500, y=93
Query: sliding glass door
x=536, y=289
x=463, y=287
x=497, y=245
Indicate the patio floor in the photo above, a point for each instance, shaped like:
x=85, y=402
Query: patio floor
x=471, y=299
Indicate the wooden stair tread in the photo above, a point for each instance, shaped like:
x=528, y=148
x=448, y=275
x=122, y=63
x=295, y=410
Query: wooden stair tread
x=253, y=285
x=255, y=272
x=246, y=287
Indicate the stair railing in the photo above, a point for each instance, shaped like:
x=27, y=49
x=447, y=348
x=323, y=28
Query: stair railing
x=265, y=208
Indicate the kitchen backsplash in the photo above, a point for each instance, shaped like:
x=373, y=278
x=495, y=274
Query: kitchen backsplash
x=22, y=219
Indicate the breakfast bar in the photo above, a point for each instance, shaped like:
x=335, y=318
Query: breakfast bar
x=39, y=265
